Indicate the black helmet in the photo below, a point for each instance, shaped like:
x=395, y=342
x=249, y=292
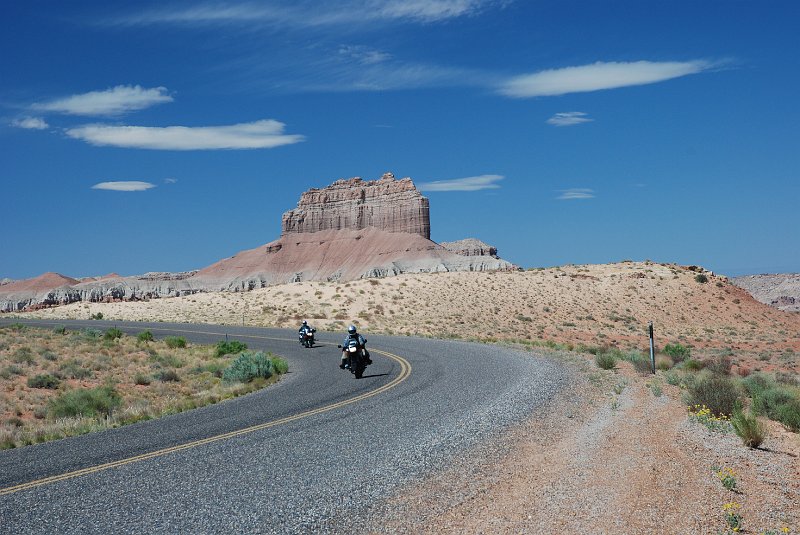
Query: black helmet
x=352, y=329
x=305, y=322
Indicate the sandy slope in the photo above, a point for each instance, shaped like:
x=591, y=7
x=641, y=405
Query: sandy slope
x=591, y=304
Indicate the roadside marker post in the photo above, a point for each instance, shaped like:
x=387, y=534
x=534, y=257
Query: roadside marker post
x=652, y=348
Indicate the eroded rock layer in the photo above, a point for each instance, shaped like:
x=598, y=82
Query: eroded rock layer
x=354, y=204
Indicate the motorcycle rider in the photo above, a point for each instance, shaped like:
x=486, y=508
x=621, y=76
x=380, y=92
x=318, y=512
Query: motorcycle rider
x=360, y=340
x=304, y=328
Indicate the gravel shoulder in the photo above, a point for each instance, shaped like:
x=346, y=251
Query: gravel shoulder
x=592, y=461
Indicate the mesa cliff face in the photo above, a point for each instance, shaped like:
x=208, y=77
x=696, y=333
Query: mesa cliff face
x=781, y=290
x=354, y=204
x=349, y=230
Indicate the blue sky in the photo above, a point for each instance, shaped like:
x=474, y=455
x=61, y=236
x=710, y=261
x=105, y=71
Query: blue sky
x=154, y=136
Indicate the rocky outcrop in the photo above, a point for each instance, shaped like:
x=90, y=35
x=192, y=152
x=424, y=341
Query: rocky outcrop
x=354, y=204
x=781, y=291
x=349, y=230
x=470, y=247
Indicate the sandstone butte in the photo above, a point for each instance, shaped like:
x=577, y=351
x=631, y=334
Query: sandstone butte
x=349, y=230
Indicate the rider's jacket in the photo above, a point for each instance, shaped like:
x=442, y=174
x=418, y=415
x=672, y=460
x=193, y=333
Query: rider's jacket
x=362, y=342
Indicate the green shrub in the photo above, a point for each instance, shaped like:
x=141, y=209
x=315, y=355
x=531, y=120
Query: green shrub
x=145, y=336
x=232, y=347
x=678, y=352
x=44, y=381
x=113, y=334
x=17, y=327
x=779, y=403
x=789, y=415
x=97, y=316
x=248, y=366
x=167, y=360
x=672, y=378
x=717, y=392
x=279, y=365
x=60, y=329
x=174, y=342
x=605, y=361
x=641, y=363
x=48, y=355
x=702, y=279
x=692, y=365
x=664, y=363
x=100, y=401
x=73, y=369
x=757, y=383
x=91, y=334
x=748, y=428
x=721, y=365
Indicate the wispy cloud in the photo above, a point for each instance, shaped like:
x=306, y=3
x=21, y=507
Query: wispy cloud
x=170, y=180
x=128, y=185
x=363, y=55
x=264, y=134
x=576, y=193
x=472, y=183
x=31, y=123
x=114, y=101
x=569, y=118
x=312, y=13
x=598, y=76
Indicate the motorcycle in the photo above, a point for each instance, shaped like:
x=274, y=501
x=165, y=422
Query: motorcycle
x=356, y=358
x=307, y=337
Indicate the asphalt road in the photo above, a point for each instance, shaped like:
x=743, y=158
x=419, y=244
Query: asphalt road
x=316, y=452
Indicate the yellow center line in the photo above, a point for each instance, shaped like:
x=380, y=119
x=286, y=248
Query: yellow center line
x=405, y=371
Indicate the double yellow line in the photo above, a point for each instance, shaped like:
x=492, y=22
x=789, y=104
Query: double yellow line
x=405, y=371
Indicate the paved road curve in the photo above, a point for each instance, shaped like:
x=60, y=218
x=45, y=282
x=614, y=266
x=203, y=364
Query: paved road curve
x=323, y=471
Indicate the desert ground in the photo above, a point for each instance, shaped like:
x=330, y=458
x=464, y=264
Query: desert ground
x=618, y=453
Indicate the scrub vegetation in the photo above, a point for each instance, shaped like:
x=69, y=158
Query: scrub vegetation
x=58, y=383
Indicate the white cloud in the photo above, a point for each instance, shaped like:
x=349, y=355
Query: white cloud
x=576, y=193
x=114, y=101
x=263, y=134
x=313, y=13
x=472, y=183
x=569, y=118
x=130, y=185
x=32, y=123
x=363, y=55
x=598, y=76
x=170, y=180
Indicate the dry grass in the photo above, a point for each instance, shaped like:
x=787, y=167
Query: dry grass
x=151, y=378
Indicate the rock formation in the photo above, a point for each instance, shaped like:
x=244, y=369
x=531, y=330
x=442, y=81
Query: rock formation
x=779, y=290
x=349, y=230
x=353, y=204
x=470, y=247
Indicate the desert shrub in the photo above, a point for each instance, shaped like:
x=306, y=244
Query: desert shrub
x=721, y=365
x=112, y=334
x=141, y=379
x=100, y=401
x=91, y=334
x=787, y=378
x=44, y=381
x=641, y=362
x=23, y=355
x=73, y=369
x=701, y=278
x=48, y=355
x=692, y=365
x=779, y=403
x=664, y=363
x=232, y=347
x=605, y=361
x=279, y=365
x=60, y=329
x=678, y=352
x=167, y=376
x=17, y=327
x=717, y=392
x=174, y=342
x=757, y=383
x=167, y=360
x=97, y=316
x=216, y=368
x=748, y=428
x=145, y=336
x=672, y=378
x=248, y=366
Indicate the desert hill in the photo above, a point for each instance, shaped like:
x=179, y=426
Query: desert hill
x=349, y=230
x=594, y=305
x=780, y=290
